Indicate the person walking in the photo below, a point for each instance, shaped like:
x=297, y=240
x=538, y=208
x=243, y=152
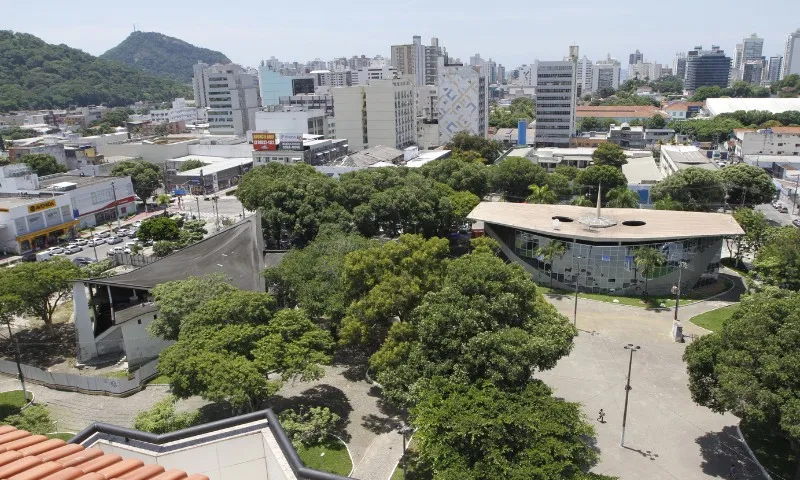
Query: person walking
x=601, y=416
x=732, y=472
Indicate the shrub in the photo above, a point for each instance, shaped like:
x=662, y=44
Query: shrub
x=309, y=427
x=163, y=418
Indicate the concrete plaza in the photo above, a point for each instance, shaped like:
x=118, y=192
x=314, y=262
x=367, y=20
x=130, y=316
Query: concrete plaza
x=667, y=436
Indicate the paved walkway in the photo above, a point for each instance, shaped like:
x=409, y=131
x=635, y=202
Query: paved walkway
x=668, y=436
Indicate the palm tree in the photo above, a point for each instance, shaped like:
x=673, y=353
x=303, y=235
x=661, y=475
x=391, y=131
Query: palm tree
x=667, y=203
x=647, y=258
x=541, y=194
x=621, y=197
x=549, y=252
x=582, y=202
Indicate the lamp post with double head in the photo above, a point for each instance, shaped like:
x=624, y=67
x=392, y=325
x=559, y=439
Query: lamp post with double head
x=632, y=349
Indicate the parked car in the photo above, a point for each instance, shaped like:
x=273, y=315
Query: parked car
x=122, y=232
x=82, y=242
x=83, y=261
x=115, y=250
x=783, y=209
x=42, y=256
x=29, y=257
x=104, y=234
x=55, y=250
x=95, y=242
x=114, y=240
x=72, y=248
x=137, y=224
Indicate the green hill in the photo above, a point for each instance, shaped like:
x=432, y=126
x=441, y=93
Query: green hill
x=35, y=74
x=161, y=55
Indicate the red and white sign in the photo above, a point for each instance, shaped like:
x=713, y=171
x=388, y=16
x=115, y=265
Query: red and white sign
x=264, y=141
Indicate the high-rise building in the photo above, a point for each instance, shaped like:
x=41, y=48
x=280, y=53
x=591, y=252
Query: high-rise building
x=679, y=65
x=462, y=101
x=501, y=74
x=527, y=74
x=705, y=68
x=381, y=113
x=378, y=70
x=403, y=59
x=419, y=60
x=273, y=85
x=199, y=85
x=232, y=97
x=432, y=54
x=791, y=56
x=585, y=76
x=556, y=92
x=490, y=71
x=635, y=57
x=752, y=47
x=753, y=71
x=605, y=74
x=644, y=70
x=774, y=67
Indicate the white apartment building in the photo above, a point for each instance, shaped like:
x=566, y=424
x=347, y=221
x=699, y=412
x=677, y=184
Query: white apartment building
x=791, y=56
x=556, y=93
x=377, y=70
x=463, y=101
x=767, y=141
x=585, y=76
x=381, y=113
x=527, y=74
x=199, y=85
x=294, y=120
x=233, y=98
x=644, y=70
x=180, y=112
x=336, y=78
x=605, y=74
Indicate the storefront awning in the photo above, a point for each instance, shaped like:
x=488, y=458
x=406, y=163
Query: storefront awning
x=46, y=231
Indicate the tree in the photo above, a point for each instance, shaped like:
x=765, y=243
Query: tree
x=582, y=201
x=310, y=427
x=116, y=117
x=163, y=248
x=462, y=141
x=549, y=252
x=756, y=230
x=656, y=121
x=43, y=164
x=163, y=199
x=749, y=367
x=145, y=177
x=459, y=174
x=695, y=188
x=520, y=108
x=667, y=84
x=621, y=197
x=177, y=299
x=608, y=153
x=40, y=286
x=707, y=130
x=162, y=418
x=476, y=432
x=590, y=124
x=505, y=335
x=514, y=175
x=560, y=184
x=647, y=259
x=158, y=228
x=609, y=177
x=541, y=194
x=313, y=277
x=191, y=164
x=566, y=170
x=747, y=185
x=777, y=262
x=667, y=203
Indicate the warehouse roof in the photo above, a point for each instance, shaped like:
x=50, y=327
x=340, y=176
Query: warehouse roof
x=716, y=106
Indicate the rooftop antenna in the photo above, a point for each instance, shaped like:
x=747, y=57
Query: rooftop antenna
x=134, y=27
x=597, y=220
x=599, y=197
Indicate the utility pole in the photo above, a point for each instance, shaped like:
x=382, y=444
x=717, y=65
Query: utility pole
x=215, y=198
x=18, y=358
x=796, y=185
x=676, y=289
x=116, y=207
x=404, y=430
x=575, y=310
x=627, y=391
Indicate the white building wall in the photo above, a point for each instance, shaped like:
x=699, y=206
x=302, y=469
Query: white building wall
x=462, y=97
x=350, y=111
x=762, y=142
x=140, y=346
x=390, y=113
x=585, y=76
x=791, y=57
x=292, y=121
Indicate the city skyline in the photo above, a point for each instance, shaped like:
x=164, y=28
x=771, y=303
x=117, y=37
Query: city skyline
x=510, y=38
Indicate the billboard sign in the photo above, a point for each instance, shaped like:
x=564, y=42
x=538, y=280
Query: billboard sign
x=292, y=141
x=264, y=141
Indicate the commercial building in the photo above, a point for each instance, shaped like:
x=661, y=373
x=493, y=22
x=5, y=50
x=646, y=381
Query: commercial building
x=791, y=55
x=418, y=61
x=290, y=149
x=675, y=158
x=94, y=200
x=767, y=141
x=638, y=138
x=35, y=221
x=213, y=177
x=556, y=92
x=605, y=74
x=679, y=65
x=273, y=86
x=622, y=114
x=432, y=54
x=232, y=96
x=378, y=70
x=462, y=101
x=707, y=68
x=298, y=120
x=322, y=102
x=753, y=71
x=381, y=113
x=180, y=112
x=601, y=245
x=642, y=173
x=718, y=106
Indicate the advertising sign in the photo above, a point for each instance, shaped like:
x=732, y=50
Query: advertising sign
x=38, y=207
x=264, y=141
x=291, y=141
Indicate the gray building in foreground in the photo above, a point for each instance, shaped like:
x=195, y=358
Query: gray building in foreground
x=556, y=91
x=600, y=249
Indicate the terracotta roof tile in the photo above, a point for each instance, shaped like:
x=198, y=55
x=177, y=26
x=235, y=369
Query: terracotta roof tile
x=35, y=457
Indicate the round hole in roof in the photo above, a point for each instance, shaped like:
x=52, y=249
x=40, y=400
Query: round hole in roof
x=563, y=219
x=634, y=223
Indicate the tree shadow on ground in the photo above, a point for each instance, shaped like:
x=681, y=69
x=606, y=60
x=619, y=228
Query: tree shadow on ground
x=355, y=363
x=41, y=347
x=378, y=424
x=721, y=449
x=319, y=396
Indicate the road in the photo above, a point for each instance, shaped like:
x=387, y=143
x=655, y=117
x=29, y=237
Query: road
x=773, y=215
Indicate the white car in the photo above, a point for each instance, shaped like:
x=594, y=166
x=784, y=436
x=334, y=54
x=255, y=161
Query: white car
x=72, y=248
x=137, y=224
x=96, y=241
x=115, y=250
x=113, y=240
x=55, y=251
x=104, y=234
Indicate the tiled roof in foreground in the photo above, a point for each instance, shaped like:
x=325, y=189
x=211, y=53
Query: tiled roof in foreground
x=24, y=456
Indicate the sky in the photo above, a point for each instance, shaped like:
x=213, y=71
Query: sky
x=511, y=33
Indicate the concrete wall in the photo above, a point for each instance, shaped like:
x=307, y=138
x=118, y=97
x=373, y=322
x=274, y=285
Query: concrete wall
x=350, y=116
x=149, y=152
x=140, y=346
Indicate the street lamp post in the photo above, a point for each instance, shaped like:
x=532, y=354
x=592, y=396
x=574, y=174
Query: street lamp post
x=215, y=198
x=575, y=309
x=676, y=290
x=404, y=430
x=632, y=349
x=116, y=207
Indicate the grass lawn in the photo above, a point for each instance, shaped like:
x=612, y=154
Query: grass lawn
x=116, y=374
x=160, y=380
x=412, y=471
x=336, y=459
x=714, y=319
x=773, y=452
x=11, y=403
x=63, y=312
x=700, y=293
x=730, y=263
x=62, y=436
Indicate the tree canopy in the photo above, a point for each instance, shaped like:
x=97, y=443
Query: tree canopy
x=588, y=179
x=459, y=174
x=777, y=262
x=158, y=228
x=707, y=130
x=747, y=184
x=513, y=176
x=43, y=164
x=787, y=87
x=737, y=90
x=749, y=368
x=191, y=164
x=39, y=286
x=521, y=108
x=145, y=177
x=694, y=188
x=37, y=75
x=608, y=153
x=461, y=142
